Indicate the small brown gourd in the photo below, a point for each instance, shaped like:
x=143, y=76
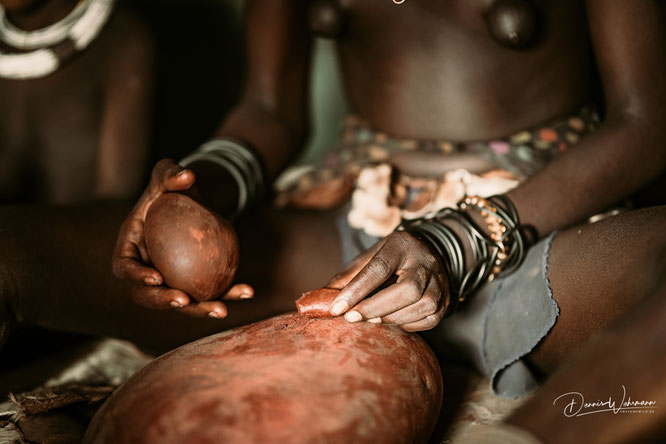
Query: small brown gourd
x=193, y=248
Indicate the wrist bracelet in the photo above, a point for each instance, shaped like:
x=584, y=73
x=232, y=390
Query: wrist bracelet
x=511, y=238
x=496, y=226
x=497, y=254
x=240, y=161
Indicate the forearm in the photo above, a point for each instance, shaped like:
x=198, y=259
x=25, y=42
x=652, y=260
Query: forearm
x=49, y=271
x=610, y=165
x=275, y=135
x=606, y=167
x=58, y=276
x=271, y=116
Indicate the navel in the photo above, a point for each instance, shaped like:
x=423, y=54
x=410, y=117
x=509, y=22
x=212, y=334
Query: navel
x=512, y=23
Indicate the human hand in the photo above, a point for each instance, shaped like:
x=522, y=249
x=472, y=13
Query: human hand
x=416, y=301
x=131, y=261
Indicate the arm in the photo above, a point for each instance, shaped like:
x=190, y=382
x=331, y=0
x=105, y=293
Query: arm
x=125, y=128
x=629, y=149
x=271, y=116
x=626, y=153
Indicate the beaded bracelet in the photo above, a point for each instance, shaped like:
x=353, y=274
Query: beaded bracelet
x=497, y=254
x=511, y=238
x=496, y=226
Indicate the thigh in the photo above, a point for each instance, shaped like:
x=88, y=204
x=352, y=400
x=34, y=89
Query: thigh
x=597, y=272
x=285, y=253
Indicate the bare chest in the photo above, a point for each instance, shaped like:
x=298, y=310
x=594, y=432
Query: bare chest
x=462, y=69
x=65, y=105
x=511, y=23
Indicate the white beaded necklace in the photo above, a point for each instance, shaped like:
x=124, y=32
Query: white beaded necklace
x=80, y=27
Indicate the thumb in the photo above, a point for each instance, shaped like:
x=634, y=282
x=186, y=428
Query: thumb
x=169, y=176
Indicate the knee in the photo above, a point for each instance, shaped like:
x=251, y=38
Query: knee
x=638, y=232
x=641, y=237
x=656, y=218
x=655, y=232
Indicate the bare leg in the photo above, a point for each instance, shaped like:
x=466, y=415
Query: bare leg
x=597, y=272
x=55, y=272
x=285, y=253
x=630, y=353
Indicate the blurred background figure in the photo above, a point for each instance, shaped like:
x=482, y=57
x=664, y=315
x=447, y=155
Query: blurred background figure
x=76, y=82
x=92, y=92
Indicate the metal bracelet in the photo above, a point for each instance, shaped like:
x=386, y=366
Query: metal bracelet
x=487, y=264
x=240, y=161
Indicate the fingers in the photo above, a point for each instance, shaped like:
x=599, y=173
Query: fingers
x=217, y=309
x=159, y=297
x=378, y=269
x=211, y=309
x=239, y=292
x=341, y=279
x=130, y=256
x=408, y=291
x=426, y=306
x=169, y=176
x=132, y=270
x=417, y=301
x=428, y=322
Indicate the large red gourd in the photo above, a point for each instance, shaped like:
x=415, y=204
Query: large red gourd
x=194, y=249
x=289, y=379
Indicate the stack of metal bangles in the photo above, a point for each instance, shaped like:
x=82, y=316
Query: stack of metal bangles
x=240, y=161
x=495, y=255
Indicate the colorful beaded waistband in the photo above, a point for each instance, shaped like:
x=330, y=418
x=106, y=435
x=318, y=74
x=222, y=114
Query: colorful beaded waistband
x=522, y=153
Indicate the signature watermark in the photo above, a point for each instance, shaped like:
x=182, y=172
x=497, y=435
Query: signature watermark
x=575, y=405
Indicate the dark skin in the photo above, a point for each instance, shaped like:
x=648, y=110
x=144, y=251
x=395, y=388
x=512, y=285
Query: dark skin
x=56, y=275
x=91, y=117
x=597, y=272
x=623, y=155
x=597, y=373
x=409, y=96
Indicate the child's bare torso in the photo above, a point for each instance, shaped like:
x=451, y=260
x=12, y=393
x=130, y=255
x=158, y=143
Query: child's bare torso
x=432, y=69
x=50, y=127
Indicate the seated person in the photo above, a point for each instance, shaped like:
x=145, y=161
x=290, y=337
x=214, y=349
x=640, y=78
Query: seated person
x=75, y=88
x=482, y=87
x=478, y=86
x=75, y=93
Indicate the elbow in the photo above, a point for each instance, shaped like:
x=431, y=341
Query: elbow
x=292, y=115
x=645, y=130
